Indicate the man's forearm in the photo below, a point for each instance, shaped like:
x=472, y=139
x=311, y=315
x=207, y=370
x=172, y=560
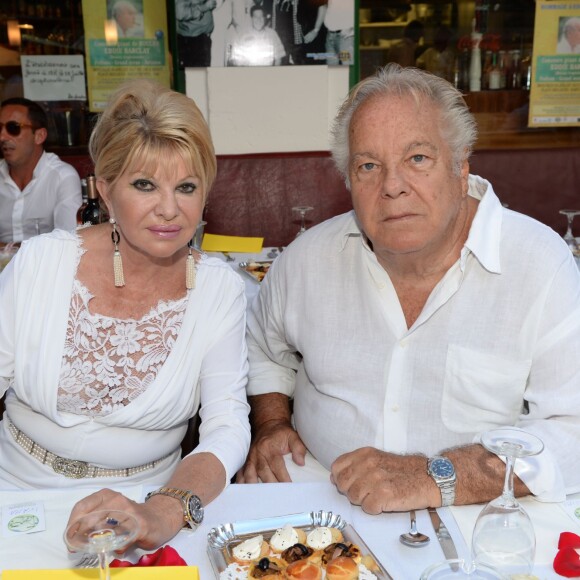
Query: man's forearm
x=268, y=407
x=480, y=475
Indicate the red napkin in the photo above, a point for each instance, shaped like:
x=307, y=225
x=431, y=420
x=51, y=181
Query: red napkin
x=165, y=556
x=567, y=560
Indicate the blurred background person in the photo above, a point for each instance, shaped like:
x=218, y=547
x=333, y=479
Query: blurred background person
x=404, y=52
x=133, y=331
x=439, y=58
x=38, y=191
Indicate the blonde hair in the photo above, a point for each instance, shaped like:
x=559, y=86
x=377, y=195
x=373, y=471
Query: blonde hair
x=146, y=123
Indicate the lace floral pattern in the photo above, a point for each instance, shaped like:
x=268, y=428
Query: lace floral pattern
x=108, y=362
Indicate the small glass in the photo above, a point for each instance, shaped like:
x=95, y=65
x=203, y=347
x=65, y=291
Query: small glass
x=569, y=236
x=302, y=210
x=101, y=533
x=504, y=536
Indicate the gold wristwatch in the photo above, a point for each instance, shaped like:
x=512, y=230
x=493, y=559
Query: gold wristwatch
x=192, y=506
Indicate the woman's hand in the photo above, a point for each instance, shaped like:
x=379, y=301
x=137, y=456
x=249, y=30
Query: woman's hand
x=159, y=519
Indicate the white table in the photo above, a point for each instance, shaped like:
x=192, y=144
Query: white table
x=247, y=502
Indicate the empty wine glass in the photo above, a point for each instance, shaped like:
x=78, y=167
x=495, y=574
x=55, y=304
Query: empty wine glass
x=569, y=236
x=302, y=211
x=101, y=533
x=504, y=534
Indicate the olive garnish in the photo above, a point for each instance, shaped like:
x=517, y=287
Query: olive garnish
x=264, y=564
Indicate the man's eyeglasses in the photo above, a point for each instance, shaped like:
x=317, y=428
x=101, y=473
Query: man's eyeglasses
x=14, y=128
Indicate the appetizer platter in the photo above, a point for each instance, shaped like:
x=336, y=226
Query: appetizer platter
x=256, y=270
x=314, y=545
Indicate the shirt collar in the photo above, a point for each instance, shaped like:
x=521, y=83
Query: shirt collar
x=485, y=233
x=351, y=230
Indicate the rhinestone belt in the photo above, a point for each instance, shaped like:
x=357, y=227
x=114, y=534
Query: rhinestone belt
x=71, y=467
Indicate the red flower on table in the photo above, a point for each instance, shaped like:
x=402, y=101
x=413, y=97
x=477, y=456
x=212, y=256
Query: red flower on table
x=567, y=560
x=165, y=556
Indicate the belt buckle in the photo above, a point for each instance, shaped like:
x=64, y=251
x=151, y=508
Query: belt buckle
x=70, y=467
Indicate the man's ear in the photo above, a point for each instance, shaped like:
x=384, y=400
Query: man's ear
x=40, y=136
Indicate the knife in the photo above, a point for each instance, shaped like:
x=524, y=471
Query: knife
x=443, y=535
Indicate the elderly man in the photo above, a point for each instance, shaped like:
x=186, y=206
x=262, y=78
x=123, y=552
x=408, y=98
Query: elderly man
x=569, y=42
x=406, y=328
x=128, y=20
x=38, y=191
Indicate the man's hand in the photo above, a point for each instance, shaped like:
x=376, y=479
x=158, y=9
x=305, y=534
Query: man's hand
x=384, y=482
x=265, y=461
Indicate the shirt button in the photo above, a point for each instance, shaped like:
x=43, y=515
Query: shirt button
x=404, y=343
x=382, y=286
x=395, y=408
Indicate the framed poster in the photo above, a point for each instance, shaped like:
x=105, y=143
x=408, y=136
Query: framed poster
x=124, y=39
x=555, y=86
x=264, y=32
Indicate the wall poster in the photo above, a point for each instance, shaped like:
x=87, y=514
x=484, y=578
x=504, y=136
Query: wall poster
x=124, y=39
x=555, y=87
x=264, y=32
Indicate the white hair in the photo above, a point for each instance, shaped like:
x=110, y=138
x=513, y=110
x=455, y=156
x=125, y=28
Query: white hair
x=457, y=124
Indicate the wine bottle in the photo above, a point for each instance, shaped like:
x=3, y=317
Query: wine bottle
x=92, y=212
x=84, y=202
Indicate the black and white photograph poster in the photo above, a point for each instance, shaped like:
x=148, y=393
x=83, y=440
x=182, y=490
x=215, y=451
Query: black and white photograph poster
x=221, y=33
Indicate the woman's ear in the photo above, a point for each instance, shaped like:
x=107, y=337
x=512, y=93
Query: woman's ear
x=104, y=191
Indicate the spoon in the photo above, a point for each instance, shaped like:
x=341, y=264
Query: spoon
x=413, y=538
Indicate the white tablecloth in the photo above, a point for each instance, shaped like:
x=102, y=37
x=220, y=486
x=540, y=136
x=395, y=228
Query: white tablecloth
x=247, y=502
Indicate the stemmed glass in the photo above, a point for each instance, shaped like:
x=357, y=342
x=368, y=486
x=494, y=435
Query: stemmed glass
x=302, y=211
x=504, y=534
x=569, y=236
x=101, y=533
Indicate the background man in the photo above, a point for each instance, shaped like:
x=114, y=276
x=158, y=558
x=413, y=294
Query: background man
x=406, y=328
x=194, y=19
x=38, y=191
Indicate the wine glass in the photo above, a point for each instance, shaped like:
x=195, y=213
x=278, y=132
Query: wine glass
x=101, y=533
x=569, y=236
x=504, y=534
x=456, y=569
x=302, y=210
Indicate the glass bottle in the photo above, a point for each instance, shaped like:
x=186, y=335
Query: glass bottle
x=84, y=202
x=515, y=76
x=494, y=74
x=92, y=212
x=502, y=63
x=487, y=63
x=475, y=63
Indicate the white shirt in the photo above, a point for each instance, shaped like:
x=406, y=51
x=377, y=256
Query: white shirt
x=206, y=370
x=497, y=344
x=51, y=200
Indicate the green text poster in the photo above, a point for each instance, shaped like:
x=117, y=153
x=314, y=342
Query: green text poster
x=124, y=39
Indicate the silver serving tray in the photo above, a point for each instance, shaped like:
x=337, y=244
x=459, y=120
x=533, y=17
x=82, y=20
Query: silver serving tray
x=222, y=539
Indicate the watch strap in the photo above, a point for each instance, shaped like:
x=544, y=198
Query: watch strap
x=187, y=498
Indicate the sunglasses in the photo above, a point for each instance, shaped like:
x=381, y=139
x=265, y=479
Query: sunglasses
x=14, y=128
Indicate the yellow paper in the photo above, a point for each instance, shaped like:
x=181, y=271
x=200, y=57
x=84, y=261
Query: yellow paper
x=215, y=243
x=145, y=573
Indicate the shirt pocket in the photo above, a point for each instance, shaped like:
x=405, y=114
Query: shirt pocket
x=482, y=390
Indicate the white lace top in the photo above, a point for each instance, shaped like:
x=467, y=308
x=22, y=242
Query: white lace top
x=108, y=362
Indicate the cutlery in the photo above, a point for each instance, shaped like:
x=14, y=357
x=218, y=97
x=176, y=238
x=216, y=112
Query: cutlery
x=443, y=535
x=228, y=257
x=88, y=561
x=413, y=538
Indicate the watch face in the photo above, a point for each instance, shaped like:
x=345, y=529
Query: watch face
x=442, y=467
x=195, y=509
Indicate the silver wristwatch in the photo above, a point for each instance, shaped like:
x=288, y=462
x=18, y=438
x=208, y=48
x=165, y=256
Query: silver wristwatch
x=443, y=473
x=191, y=504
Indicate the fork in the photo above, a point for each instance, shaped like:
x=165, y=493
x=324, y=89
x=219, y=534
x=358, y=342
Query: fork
x=228, y=257
x=88, y=561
